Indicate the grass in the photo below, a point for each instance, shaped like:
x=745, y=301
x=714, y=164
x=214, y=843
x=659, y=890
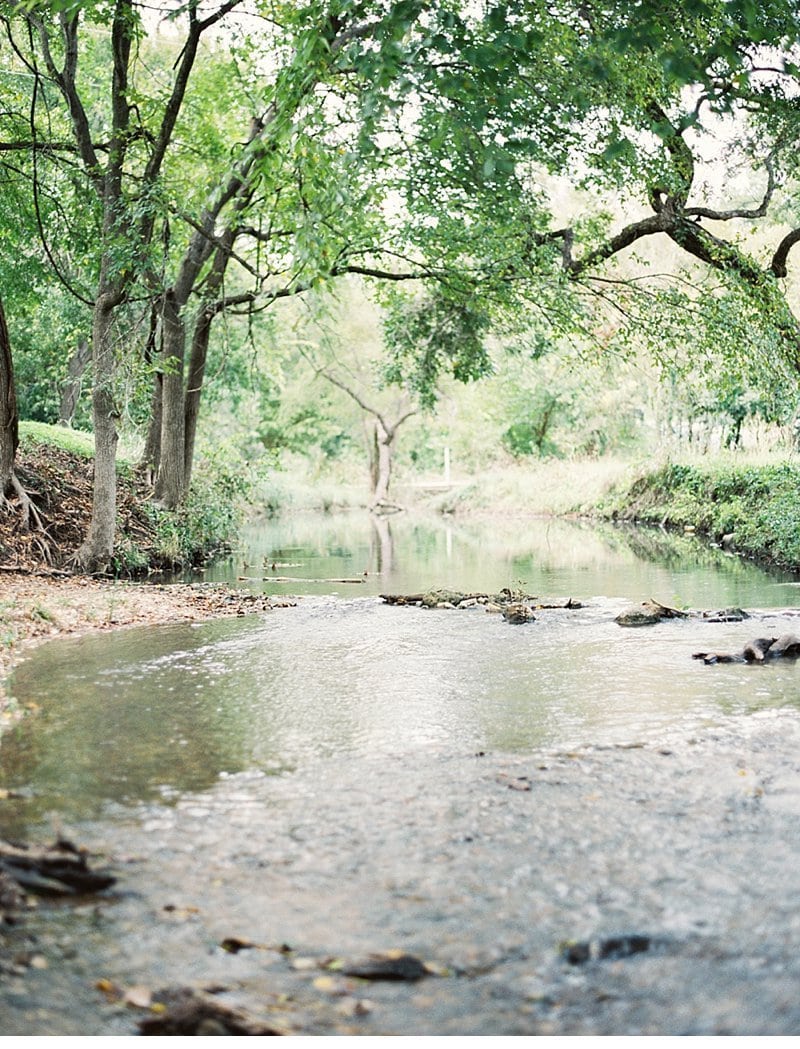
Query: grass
x=75, y=442
x=757, y=505
x=539, y=487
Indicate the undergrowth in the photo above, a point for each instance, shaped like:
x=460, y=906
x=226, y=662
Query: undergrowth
x=754, y=508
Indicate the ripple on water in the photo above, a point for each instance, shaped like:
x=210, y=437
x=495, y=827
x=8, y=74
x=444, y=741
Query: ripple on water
x=178, y=706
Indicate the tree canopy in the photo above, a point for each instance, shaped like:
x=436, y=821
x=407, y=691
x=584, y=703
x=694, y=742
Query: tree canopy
x=176, y=164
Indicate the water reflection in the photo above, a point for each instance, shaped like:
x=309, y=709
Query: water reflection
x=404, y=554
x=149, y=712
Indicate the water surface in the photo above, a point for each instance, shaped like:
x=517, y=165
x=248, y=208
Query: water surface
x=148, y=713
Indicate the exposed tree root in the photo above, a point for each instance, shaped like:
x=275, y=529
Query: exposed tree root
x=30, y=517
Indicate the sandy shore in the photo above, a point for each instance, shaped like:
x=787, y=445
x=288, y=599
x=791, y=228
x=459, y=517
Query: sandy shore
x=34, y=608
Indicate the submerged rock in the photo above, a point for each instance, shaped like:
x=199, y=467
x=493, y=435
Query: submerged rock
x=611, y=947
x=184, y=1011
x=725, y=615
x=518, y=613
x=787, y=647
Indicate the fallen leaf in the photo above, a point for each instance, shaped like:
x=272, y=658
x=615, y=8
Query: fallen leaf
x=109, y=989
x=232, y=944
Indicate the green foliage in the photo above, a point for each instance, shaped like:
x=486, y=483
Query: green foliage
x=760, y=506
x=532, y=435
x=222, y=485
x=432, y=336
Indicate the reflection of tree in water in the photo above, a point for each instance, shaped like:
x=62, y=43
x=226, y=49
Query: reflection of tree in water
x=382, y=546
x=677, y=550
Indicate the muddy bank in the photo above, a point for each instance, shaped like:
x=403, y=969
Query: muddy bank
x=638, y=890
x=36, y=607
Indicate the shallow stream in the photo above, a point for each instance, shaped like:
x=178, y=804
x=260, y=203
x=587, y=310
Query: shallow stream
x=252, y=770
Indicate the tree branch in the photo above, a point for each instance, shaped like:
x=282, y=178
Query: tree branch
x=779, y=259
x=740, y=213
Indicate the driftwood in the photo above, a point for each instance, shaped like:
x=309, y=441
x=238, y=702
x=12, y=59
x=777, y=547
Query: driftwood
x=300, y=579
x=57, y=870
x=760, y=650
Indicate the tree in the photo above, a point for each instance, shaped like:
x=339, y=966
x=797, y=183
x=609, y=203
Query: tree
x=9, y=416
x=124, y=194
x=629, y=99
x=454, y=110
x=381, y=442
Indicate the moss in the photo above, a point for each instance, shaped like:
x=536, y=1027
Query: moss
x=760, y=505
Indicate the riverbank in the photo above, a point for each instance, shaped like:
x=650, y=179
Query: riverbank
x=747, y=508
x=35, y=608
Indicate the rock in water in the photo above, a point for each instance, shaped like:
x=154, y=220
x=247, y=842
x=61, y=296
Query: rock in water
x=787, y=646
x=647, y=613
x=518, y=613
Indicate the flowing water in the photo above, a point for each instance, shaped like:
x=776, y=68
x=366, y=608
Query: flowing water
x=164, y=740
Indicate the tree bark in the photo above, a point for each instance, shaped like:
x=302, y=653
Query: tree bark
x=71, y=390
x=98, y=548
x=200, y=339
x=152, y=445
x=170, y=479
x=384, y=446
x=9, y=414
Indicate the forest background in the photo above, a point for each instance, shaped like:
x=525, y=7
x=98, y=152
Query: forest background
x=279, y=247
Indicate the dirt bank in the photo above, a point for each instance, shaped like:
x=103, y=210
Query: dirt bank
x=34, y=608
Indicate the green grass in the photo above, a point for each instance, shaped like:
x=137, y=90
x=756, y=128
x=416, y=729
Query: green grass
x=76, y=442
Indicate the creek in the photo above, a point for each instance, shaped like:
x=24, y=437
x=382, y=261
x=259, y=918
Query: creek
x=298, y=777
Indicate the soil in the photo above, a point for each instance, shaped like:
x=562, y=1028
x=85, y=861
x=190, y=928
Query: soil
x=41, y=599
x=59, y=485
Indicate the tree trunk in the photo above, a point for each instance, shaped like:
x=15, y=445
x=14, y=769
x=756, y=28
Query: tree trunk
x=71, y=390
x=171, y=479
x=214, y=286
x=98, y=548
x=9, y=414
x=194, y=388
x=152, y=444
x=384, y=440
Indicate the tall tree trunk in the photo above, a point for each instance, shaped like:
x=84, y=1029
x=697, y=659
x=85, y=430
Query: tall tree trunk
x=152, y=444
x=9, y=414
x=71, y=390
x=98, y=548
x=214, y=287
x=171, y=479
x=194, y=388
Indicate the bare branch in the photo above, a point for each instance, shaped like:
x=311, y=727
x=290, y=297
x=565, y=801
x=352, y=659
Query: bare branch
x=741, y=213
